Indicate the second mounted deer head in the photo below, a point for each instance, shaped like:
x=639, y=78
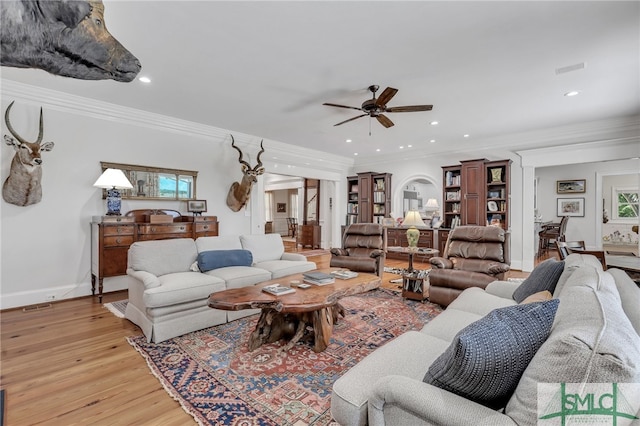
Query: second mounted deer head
x=240, y=192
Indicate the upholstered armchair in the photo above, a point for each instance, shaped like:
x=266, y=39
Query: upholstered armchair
x=474, y=256
x=362, y=249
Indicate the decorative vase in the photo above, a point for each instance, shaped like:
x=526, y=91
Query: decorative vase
x=413, y=234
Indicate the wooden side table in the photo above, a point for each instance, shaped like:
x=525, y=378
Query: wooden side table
x=414, y=284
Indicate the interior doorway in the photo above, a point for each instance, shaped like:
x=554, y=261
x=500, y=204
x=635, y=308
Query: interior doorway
x=417, y=193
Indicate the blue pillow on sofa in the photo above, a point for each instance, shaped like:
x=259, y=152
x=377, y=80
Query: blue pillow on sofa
x=214, y=259
x=487, y=358
x=545, y=276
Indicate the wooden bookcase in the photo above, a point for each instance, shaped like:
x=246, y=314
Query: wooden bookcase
x=368, y=197
x=476, y=192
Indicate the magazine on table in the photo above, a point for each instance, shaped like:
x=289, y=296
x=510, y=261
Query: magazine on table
x=344, y=274
x=278, y=290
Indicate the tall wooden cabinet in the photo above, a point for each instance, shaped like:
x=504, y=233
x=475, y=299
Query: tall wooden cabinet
x=476, y=192
x=368, y=197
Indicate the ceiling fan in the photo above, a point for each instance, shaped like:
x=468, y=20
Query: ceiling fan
x=376, y=107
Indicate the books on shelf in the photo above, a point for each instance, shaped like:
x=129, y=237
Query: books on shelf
x=278, y=290
x=344, y=274
x=452, y=179
x=318, y=278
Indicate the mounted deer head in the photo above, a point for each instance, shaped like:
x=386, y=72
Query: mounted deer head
x=239, y=193
x=22, y=187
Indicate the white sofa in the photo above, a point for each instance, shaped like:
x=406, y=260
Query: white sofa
x=593, y=339
x=169, y=295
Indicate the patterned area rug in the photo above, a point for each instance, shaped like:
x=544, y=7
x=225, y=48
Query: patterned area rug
x=217, y=381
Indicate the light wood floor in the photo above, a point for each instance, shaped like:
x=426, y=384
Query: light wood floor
x=70, y=365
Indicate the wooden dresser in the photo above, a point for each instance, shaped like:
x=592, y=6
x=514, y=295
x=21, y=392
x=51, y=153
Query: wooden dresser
x=309, y=236
x=397, y=237
x=111, y=237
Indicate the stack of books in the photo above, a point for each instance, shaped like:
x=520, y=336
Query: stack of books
x=344, y=274
x=277, y=289
x=318, y=278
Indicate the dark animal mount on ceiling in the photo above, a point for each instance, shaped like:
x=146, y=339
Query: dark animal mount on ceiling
x=66, y=38
x=376, y=107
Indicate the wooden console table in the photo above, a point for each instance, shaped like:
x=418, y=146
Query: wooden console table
x=111, y=237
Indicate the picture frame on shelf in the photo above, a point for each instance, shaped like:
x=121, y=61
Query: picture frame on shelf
x=573, y=186
x=570, y=207
x=196, y=206
x=492, y=206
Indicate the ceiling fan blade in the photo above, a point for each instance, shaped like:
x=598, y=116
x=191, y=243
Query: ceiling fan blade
x=384, y=120
x=386, y=96
x=410, y=108
x=351, y=119
x=342, y=106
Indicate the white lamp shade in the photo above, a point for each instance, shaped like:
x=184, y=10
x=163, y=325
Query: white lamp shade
x=432, y=204
x=413, y=219
x=113, y=178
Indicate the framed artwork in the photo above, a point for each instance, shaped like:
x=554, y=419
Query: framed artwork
x=571, y=207
x=197, y=206
x=575, y=186
x=281, y=207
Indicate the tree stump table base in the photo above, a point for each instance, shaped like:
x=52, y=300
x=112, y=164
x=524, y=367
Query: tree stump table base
x=273, y=326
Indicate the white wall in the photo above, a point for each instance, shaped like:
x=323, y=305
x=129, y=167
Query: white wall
x=578, y=228
x=46, y=247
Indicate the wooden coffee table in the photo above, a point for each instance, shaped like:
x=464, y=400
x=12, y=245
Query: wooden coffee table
x=288, y=316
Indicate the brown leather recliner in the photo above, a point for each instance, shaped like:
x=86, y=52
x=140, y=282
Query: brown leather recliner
x=474, y=256
x=362, y=249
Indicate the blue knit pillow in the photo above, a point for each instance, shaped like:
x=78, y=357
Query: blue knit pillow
x=214, y=259
x=486, y=359
x=545, y=276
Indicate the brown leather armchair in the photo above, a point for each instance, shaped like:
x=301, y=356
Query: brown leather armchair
x=474, y=256
x=362, y=249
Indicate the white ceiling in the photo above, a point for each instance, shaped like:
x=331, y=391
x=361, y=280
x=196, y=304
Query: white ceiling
x=265, y=68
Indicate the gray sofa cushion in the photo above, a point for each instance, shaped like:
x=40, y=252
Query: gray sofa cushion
x=240, y=276
x=263, y=247
x=630, y=296
x=214, y=259
x=281, y=268
x=592, y=341
x=408, y=355
x=162, y=257
x=486, y=359
x=225, y=242
x=572, y=263
x=181, y=287
x=543, y=277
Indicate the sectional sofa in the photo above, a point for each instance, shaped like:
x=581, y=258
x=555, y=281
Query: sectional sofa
x=481, y=360
x=174, y=278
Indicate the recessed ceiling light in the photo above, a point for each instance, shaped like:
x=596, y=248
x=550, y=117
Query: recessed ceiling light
x=409, y=146
x=355, y=153
x=434, y=123
x=572, y=93
x=465, y=136
x=348, y=141
x=401, y=147
x=378, y=150
x=145, y=79
x=432, y=141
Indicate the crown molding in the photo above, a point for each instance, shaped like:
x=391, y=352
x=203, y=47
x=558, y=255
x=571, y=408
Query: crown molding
x=604, y=132
x=279, y=152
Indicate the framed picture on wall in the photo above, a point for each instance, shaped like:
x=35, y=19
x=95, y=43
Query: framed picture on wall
x=571, y=207
x=197, y=206
x=281, y=207
x=575, y=186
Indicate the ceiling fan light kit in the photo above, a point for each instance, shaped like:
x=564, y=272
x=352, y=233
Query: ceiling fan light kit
x=376, y=107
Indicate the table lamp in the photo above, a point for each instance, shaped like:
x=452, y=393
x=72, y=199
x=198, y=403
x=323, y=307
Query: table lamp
x=413, y=219
x=432, y=205
x=113, y=180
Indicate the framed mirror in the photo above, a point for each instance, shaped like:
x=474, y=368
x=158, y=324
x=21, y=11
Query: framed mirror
x=156, y=183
